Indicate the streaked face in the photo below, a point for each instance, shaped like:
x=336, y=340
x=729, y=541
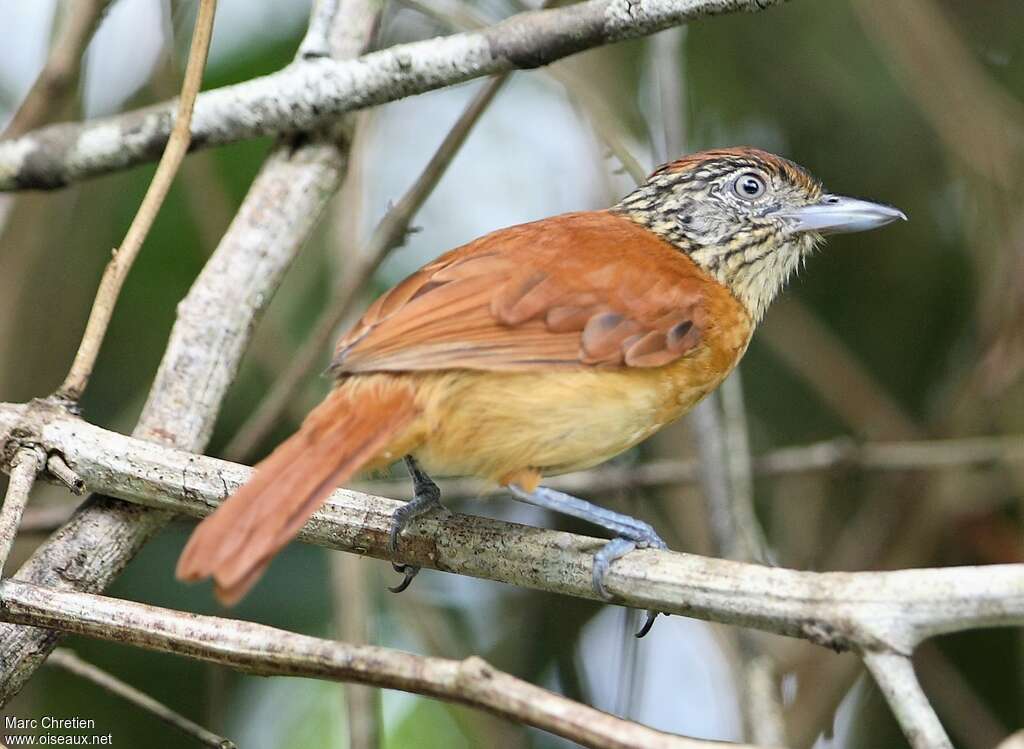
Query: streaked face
x=747, y=217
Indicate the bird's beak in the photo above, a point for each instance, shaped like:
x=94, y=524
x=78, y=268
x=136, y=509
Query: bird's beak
x=835, y=214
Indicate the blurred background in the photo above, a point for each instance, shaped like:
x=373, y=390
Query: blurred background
x=890, y=340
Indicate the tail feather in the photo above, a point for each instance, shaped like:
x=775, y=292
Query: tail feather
x=235, y=544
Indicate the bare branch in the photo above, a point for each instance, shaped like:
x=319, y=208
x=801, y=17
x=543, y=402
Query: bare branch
x=69, y=661
x=48, y=95
x=352, y=602
x=763, y=718
x=255, y=648
x=312, y=93
x=750, y=536
x=895, y=676
x=119, y=266
x=706, y=421
x=864, y=610
x=24, y=468
x=896, y=456
x=61, y=471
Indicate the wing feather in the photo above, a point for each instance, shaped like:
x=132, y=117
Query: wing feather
x=580, y=290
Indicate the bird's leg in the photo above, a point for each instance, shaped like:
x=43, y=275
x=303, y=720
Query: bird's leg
x=426, y=497
x=630, y=533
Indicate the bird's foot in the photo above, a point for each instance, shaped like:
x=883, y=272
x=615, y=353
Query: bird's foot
x=426, y=498
x=630, y=534
x=615, y=549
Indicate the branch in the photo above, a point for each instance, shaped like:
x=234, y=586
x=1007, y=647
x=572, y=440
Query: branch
x=57, y=79
x=891, y=611
x=215, y=322
x=70, y=662
x=24, y=469
x=351, y=603
x=310, y=94
x=258, y=649
x=895, y=676
x=117, y=269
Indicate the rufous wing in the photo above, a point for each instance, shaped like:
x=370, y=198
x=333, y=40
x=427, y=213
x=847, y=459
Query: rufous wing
x=587, y=289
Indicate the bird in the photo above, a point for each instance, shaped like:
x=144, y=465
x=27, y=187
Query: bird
x=540, y=349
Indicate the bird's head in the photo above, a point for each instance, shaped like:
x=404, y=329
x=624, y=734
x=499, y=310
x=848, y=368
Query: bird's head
x=746, y=216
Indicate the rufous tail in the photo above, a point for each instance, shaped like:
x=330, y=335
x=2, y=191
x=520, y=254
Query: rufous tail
x=235, y=544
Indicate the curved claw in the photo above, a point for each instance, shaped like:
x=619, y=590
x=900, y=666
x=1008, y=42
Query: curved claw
x=409, y=570
x=426, y=497
x=616, y=549
x=648, y=623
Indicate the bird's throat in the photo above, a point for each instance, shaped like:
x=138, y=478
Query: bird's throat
x=753, y=263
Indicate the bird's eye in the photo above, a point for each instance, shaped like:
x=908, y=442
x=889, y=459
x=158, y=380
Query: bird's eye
x=749, y=186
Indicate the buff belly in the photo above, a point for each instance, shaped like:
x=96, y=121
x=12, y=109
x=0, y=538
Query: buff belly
x=497, y=425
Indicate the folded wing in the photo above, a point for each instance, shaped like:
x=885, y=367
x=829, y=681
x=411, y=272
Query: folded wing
x=579, y=290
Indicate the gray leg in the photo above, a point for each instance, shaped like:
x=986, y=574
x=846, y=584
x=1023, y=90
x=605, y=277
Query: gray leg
x=426, y=498
x=630, y=533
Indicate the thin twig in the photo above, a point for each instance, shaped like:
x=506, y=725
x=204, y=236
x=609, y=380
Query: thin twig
x=69, y=661
x=895, y=676
x=750, y=538
x=255, y=648
x=57, y=79
x=24, y=468
x=389, y=233
x=706, y=421
x=121, y=263
x=352, y=602
x=58, y=469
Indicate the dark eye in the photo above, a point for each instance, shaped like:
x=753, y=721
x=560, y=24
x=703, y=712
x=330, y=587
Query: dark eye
x=749, y=186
